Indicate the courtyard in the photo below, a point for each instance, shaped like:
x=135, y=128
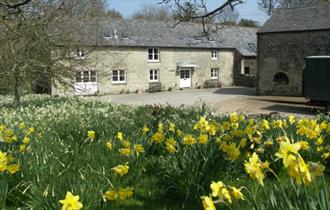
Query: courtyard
x=220, y=100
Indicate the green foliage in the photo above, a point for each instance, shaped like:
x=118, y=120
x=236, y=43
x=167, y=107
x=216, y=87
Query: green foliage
x=61, y=158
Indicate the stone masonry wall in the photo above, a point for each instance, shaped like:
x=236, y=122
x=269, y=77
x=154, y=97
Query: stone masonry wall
x=285, y=52
x=242, y=79
x=135, y=62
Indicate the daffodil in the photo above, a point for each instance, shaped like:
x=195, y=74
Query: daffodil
x=138, y=148
x=71, y=202
x=124, y=193
x=243, y=142
x=292, y=119
x=145, y=130
x=216, y=187
x=233, y=117
x=208, y=203
x=203, y=139
x=120, y=136
x=22, y=148
x=236, y=193
x=121, y=170
x=160, y=127
x=286, y=150
x=110, y=195
x=3, y=161
x=171, y=127
x=26, y=140
x=22, y=125
x=170, y=148
x=126, y=143
x=304, y=145
x=254, y=168
x=233, y=152
x=157, y=137
x=225, y=195
x=109, y=145
x=315, y=169
x=91, y=135
x=326, y=155
x=189, y=140
x=125, y=151
x=13, y=168
x=299, y=170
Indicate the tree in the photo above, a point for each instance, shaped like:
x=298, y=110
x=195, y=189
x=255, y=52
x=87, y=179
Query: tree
x=113, y=14
x=229, y=16
x=248, y=23
x=84, y=8
x=36, y=43
x=197, y=11
x=154, y=12
x=270, y=6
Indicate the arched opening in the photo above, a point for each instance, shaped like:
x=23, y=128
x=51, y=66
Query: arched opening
x=280, y=78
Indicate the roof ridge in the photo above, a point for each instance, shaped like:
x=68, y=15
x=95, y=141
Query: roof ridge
x=321, y=4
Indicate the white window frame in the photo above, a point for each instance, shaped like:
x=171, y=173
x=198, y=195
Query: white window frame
x=215, y=73
x=81, y=54
x=154, y=52
x=154, y=75
x=89, y=77
x=215, y=54
x=118, y=76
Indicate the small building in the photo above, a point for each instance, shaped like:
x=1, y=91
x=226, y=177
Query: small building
x=284, y=41
x=138, y=56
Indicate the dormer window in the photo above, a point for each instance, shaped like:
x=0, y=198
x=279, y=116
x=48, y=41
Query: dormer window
x=153, y=55
x=80, y=53
x=214, y=54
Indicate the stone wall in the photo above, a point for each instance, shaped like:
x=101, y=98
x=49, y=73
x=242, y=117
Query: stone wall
x=135, y=62
x=242, y=79
x=251, y=63
x=285, y=53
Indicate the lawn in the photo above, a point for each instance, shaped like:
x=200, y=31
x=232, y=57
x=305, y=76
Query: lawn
x=158, y=158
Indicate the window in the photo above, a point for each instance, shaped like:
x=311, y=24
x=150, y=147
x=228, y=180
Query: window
x=80, y=53
x=246, y=70
x=153, y=55
x=153, y=76
x=214, y=54
x=215, y=73
x=118, y=76
x=280, y=78
x=86, y=76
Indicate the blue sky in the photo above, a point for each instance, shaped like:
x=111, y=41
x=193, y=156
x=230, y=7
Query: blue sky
x=249, y=10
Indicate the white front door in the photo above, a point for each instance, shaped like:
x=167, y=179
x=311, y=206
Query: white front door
x=86, y=82
x=185, y=78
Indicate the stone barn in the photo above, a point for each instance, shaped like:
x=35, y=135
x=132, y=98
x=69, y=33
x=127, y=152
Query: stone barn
x=284, y=41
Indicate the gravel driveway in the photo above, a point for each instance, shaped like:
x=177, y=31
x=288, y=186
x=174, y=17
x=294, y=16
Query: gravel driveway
x=221, y=100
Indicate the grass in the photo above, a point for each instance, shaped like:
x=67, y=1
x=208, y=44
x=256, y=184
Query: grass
x=61, y=158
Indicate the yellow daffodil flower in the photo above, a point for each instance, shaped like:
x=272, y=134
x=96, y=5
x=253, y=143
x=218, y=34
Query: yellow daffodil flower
x=71, y=202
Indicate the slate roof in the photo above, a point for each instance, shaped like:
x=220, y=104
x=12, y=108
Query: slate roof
x=299, y=19
x=137, y=33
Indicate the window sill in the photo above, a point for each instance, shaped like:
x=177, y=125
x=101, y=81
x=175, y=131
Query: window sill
x=153, y=81
x=214, y=59
x=80, y=58
x=153, y=61
x=89, y=83
x=214, y=78
x=119, y=83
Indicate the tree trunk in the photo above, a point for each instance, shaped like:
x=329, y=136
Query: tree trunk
x=17, y=89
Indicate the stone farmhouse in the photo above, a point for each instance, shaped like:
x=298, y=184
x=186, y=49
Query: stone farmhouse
x=284, y=41
x=138, y=56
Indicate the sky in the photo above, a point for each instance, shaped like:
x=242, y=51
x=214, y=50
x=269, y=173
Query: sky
x=248, y=10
